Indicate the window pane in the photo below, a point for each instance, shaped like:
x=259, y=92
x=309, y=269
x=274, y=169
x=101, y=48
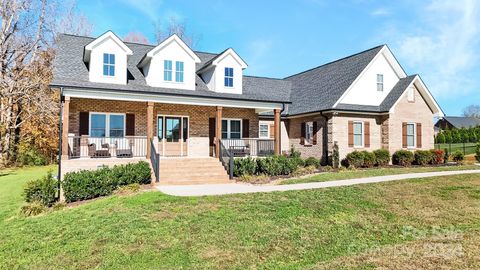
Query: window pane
x=97, y=133
x=116, y=133
x=224, y=126
x=234, y=126
x=235, y=135
x=98, y=121
x=105, y=70
x=410, y=141
x=112, y=59
x=357, y=128
x=172, y=129
x=410, y=129
x=160, y=128
x=116, y=121
x=112, y=70
x=105, y=58
x=226, y=72
x=185, y=129
x=224, y=135
x=357, y=140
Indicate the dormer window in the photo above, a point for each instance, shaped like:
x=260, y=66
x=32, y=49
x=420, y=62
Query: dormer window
x=108, y=64
x=228, y=77
x=167, y=70
x=380, y=82
x=179, y=71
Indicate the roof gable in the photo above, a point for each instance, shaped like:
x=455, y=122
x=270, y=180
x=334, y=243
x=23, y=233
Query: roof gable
x=221, y=56
x=172, y=39
x=107, y=35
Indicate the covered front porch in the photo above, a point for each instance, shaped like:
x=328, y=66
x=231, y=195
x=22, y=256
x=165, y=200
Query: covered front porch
x=100, y=129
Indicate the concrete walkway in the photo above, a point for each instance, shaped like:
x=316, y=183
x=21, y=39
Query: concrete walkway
x=235, y=188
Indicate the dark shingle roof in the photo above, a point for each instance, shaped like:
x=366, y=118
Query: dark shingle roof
x=462, y=122
x=318, y=89
x=70, y=70
x=386, y=104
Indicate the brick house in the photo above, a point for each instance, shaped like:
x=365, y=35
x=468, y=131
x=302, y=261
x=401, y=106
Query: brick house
x=178, y=108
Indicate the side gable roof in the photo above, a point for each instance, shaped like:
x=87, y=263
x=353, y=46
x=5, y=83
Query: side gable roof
x=109, y=34
x=319, y=88
x=215, y=60
x=462, y=122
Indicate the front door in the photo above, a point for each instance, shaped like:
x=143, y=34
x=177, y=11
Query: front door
x=173, y=135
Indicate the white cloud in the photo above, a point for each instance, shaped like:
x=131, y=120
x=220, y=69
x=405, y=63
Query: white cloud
x=148, y=7
x=444, y=45
x=380, y=12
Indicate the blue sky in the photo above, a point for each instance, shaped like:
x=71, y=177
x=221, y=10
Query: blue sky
x=438, y=39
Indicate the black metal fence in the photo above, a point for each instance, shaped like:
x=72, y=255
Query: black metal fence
x=155, y=160
x=465, y=148
x=105, y=147
x=226, y=157
x=249, y=147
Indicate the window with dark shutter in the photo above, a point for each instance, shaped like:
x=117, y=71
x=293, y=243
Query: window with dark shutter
x=83, y=125
x=130, y=125
x=404, y=135
x=245, y=128
x=302, y=134
x=314, y=139
x=350, y=133
x=367, y=133
x=419, y=135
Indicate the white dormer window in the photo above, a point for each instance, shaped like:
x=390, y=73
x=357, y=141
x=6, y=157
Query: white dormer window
x=380, y=82
x=167, y=70
x=108, y=64
x=228, y=77
x=179, y=71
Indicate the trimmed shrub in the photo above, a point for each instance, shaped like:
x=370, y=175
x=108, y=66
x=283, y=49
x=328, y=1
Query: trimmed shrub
x=423, y=157
x=369, y=159
x=402, y=158
x=477, y=152
x=32, y=209
x=43, y=190
x=458, y=157
x=269, y=166
x=289, y=165
x=312, y=161
x=84, y=185
x=382, y=157
x=437, y=156
x=355, y=159
x=244, y=166
x=335, y=156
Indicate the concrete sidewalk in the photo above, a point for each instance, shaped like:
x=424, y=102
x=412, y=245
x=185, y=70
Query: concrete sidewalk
x=235, y=188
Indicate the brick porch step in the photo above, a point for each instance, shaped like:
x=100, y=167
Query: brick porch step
x=192, y=171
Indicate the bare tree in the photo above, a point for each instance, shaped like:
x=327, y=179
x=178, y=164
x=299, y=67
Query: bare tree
x=175, y=27
x=472, y=111
x=73, y=22
x=27, y=34
x=136, y=37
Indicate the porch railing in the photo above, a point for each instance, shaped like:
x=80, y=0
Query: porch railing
x=249, y=147
x=105, y=147
x=155, y=159
x=226, y=157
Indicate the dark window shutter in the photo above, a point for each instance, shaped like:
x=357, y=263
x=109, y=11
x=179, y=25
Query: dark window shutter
x=404, y=135
x=211, y=131
x=350, y=133
x=83, y=125
x=130, y=125
x=419, y=135
x=302, y=134
x=314, y=142
x=245, y=128
x=272, y=131
x=366, y=133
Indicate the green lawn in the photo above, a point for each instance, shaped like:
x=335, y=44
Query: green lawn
x=388, y=225
x=350, y=174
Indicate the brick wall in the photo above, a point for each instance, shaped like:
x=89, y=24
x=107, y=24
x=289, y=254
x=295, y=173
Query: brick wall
x=294, y=132
x=198, y=117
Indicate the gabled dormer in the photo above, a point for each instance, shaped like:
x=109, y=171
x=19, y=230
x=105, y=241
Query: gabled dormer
x=376, y=81
x=106, y=57
x=171, y=64
x=224, y=72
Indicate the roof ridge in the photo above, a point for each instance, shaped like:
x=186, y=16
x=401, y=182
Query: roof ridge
x=335, y=61
x=263, y=77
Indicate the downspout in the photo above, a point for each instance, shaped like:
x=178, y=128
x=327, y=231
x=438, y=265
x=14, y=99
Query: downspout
x=60, y=131
x=325, y=139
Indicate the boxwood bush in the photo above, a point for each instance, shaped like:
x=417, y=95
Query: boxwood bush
x=458, y=156
x=423, y=157
x=84, y=185
x=43, y=190
x=355, y=159
x=369, y=159
x=312, y=161
x=382, y=157
x=244, y=166
x=402, y=158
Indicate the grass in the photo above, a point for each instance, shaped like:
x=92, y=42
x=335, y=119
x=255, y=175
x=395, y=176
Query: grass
x=350, y=174
x=389, y=225
x=469, y=147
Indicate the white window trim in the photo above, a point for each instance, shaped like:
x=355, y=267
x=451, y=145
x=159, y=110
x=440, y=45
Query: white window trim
x=362, y=134
x=171, y=71
x=107, y=123
x=268, y=130
x=114, y=66
x=306, y=132
x=229, y=127
x=183, y=73
x=233, y=76
x=414, y=135
x=381, y=83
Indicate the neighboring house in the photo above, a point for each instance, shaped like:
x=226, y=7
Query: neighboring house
x=451, y=122
x=131, y=100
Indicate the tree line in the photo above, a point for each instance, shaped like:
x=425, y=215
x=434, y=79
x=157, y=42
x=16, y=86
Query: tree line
x=463, y=135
